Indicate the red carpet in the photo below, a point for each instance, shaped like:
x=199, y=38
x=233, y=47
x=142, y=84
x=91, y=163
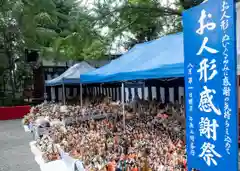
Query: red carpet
x=15, y=112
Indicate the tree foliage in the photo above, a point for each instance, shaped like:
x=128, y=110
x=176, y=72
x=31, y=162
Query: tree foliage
x=56, y=28
x=144, y=20
x=75, y=33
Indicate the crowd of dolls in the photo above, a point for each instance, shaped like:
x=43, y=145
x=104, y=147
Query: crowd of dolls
x=49, y=150
x=151, y=137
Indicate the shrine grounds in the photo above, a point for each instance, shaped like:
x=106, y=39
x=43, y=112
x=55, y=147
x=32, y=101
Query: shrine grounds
x=15, y=154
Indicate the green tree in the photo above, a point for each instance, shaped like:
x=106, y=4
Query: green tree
x=57, y=28
x=10, y=36
x=76, y=33
x=144, y=20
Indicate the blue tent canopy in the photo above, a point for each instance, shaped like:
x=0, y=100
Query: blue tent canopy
x=71, y=75
x=161, y=58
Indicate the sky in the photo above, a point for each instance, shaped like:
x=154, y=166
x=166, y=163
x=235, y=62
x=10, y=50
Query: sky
x=87, y=3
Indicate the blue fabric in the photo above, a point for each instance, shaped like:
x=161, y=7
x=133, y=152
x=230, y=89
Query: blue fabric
x=71, y=76
x=161, y=58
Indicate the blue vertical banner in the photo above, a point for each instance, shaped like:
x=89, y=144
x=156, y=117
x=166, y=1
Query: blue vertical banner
x=211, y=86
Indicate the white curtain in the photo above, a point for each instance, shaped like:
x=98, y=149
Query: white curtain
x=146, y=93
x=126, y=95
x=53, y=96
x=162, y=94
x=180, y=94
x=154, y=92
x=133, y=93
x=171, y=95
x=140, y=93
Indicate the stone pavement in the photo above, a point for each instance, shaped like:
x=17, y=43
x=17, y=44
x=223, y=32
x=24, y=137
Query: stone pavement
x=15, y=154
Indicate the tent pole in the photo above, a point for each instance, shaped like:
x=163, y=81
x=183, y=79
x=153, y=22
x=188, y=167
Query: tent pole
x=81, y=95
x=123, y=107
x=64, y=95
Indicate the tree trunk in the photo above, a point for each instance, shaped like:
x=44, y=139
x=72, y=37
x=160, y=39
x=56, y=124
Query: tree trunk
x=11, y=73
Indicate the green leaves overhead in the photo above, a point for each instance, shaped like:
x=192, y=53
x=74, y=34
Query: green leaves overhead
x=72, y=29
x=75, y=31
x=143, y=20
x=53, y=26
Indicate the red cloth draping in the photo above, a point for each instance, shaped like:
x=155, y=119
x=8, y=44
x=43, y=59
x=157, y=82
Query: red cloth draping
x=14, y=112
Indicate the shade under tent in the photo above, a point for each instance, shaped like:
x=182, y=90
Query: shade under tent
x=70, y=77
